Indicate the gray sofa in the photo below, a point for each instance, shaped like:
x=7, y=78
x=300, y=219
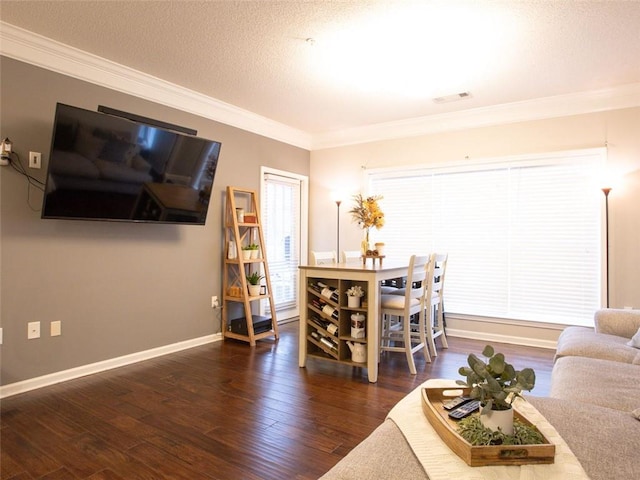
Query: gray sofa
x=594, y=404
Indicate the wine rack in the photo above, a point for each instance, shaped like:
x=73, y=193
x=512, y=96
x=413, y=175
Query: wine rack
x=328, y=319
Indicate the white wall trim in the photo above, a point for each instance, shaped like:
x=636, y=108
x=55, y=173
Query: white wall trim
x=72, y=373
x=624, y=96
x=521, y=330
x=40, y=51
x=494, y=337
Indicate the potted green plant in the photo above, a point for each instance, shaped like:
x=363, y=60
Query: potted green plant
x=496, y=384
x=246, y=252
x=254, y=249
x=254, y=283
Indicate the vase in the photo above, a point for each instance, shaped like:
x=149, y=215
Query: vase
x=353, y=302
x=365, y=247
x=246, y=254
x=498, y=420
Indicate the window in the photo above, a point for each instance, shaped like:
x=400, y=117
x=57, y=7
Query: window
x=281, y=218
x=523, y=235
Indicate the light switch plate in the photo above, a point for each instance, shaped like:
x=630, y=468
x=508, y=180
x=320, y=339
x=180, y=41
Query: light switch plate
x=56, y=328
x=35, y=160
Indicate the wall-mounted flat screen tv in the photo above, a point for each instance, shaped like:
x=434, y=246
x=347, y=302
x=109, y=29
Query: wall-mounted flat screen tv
x=107, y=167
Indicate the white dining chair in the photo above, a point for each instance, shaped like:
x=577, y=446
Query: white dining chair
x=434, y=317
x=351, y=256
x=323, y=258
x=396, y=312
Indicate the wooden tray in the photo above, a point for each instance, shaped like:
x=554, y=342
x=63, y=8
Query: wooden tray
x=479, y=456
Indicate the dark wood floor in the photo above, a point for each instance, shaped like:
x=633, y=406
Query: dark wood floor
x=219, y=411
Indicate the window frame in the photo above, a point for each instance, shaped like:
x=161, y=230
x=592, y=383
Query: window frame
x=597, y=160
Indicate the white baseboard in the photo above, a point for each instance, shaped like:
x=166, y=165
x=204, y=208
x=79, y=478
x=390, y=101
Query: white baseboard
x=63, y=376
x=496, y=337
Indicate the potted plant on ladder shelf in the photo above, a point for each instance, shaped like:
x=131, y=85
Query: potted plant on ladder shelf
x=254, y=283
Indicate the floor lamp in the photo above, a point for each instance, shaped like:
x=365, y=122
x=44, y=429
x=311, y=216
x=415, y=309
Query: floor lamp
x=338, y=202
x=606, y=191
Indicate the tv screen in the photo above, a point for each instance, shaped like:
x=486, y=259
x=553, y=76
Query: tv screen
x=106, y=167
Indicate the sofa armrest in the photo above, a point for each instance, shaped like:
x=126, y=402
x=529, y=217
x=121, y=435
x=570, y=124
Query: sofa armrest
x=624, y=323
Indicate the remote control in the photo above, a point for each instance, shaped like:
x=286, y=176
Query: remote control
x=465, y=410
x=455, y=402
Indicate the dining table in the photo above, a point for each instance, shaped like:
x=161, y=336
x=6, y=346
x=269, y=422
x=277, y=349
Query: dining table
x=368, y=274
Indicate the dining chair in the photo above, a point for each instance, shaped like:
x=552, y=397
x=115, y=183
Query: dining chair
x=323, y=258
x=351, y=256
x=434, y=305
x=434, y=318
x=396, y=312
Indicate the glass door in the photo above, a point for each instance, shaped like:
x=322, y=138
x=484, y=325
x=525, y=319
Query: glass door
x=283, y=208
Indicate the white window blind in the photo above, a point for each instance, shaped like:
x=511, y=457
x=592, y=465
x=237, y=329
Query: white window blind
x=523, y=237
x=281, y=220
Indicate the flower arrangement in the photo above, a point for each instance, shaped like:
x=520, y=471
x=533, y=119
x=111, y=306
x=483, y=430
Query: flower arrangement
x=367, y=211
x=355, y=291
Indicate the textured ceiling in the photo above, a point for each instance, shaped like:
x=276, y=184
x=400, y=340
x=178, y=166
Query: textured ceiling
x=370, y=62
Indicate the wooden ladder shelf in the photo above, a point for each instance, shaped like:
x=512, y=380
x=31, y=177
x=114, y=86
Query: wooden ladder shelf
x=239, y=305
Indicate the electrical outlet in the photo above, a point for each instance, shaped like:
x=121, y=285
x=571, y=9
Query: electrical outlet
x=33, y=330
x=35, y=160
x=214, y=301
x=56, y=328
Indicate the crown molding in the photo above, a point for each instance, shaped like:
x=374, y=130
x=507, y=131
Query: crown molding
x=40, y=51
x=624, y=96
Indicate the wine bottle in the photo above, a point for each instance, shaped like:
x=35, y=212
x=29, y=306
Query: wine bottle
x=326, y=292
x=329, y=343
x=319, y=322
x=329, y=311
x=330, y=293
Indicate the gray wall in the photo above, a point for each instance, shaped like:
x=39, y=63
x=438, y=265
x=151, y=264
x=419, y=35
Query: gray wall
x=117, y=288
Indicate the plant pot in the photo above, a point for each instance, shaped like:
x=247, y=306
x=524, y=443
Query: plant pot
x=353, y=302
x=498, y=419
x=254, y=290
x=255, y=253
x=246, y=254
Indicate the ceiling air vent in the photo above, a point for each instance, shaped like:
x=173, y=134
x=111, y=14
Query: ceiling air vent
x=452, y=98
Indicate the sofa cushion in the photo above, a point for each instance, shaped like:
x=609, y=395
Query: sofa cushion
x=599, y=382
x=635, y=340
x=604, y=440
x=384, y=454
x=624, y=323
x=585, y=342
